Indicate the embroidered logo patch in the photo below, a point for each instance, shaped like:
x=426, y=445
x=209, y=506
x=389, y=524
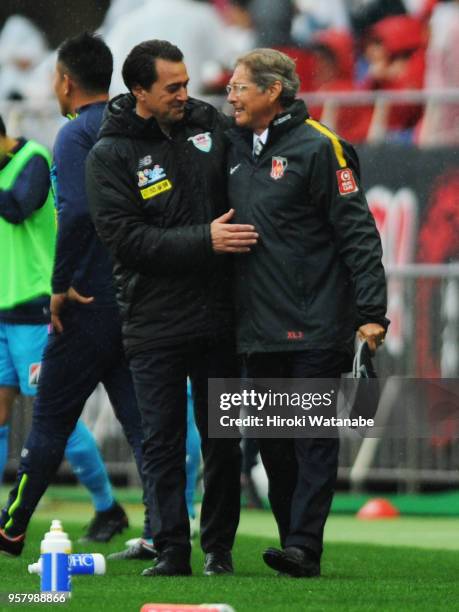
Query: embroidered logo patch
x=145, y=161
x=34, y=374
x=295, y=335
x=346, y=181
x=203, y=141
x=278, y=167
x=156, y=189
x=150, y=175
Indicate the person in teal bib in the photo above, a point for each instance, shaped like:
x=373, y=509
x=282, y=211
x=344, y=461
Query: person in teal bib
x=27, y=245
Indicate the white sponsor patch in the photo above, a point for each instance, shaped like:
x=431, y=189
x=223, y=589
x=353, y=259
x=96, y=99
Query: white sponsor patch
x=148, y=176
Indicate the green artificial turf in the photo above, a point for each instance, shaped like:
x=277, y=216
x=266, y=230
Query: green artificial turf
x=359, y=576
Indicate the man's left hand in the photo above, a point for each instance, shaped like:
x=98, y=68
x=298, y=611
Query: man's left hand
x=57, y=303
x=373, y=333
x=231, y=238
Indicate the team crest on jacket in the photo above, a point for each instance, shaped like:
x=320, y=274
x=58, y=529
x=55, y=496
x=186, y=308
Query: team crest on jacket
x=203, y=141
x=278, y=167
x=346, y=181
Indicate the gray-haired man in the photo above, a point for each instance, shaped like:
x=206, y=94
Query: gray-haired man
x=313, y=279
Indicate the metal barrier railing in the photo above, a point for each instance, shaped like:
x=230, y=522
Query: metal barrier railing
x=41, y=120
x=426, y=345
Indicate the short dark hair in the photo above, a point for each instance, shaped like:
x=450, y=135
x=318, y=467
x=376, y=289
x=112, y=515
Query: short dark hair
x=139, y=67
x=88, y=61
x=2, y=127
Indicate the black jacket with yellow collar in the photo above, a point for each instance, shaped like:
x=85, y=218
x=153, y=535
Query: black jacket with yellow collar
x=316, y=274
x=152, y=198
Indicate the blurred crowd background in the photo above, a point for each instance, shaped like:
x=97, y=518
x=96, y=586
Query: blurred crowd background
x=352, y=49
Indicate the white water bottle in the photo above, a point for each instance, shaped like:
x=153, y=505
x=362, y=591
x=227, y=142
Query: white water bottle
x=91, y=564
x=55, y=550
x=87, y=563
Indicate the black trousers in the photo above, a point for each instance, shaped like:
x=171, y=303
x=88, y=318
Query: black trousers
x=301, y=472
x=160, y=382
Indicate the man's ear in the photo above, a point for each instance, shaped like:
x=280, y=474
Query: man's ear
x=139, y=93
x=67, y=85
x=275, y=91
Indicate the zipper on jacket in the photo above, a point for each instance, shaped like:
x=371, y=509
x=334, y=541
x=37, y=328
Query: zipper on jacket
x=253, y=167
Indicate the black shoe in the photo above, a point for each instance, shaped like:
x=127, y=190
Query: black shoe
x=218, y=564
x=11, y=546
x=139, y=550
x=170, y=563
x=106, y=524
x=294, y=561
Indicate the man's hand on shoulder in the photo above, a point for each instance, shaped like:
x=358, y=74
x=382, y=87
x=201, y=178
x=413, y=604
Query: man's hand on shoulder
x=373, y=333
x=231, y=238
x=57, y=304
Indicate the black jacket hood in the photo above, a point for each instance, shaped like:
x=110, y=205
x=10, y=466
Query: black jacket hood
x=120, y=119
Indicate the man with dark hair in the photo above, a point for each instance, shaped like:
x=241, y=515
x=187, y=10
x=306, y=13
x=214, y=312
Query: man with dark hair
x=155, y=186
x=314, y=278
x=138, y=68
x=85, y=347
x=89, y=62
x=28, y=231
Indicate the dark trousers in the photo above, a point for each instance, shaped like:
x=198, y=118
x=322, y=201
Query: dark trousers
x=301, y=472
x=160, y=383
x=87, y=352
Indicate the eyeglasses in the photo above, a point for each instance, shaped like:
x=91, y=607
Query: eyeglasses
x=237, y=88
